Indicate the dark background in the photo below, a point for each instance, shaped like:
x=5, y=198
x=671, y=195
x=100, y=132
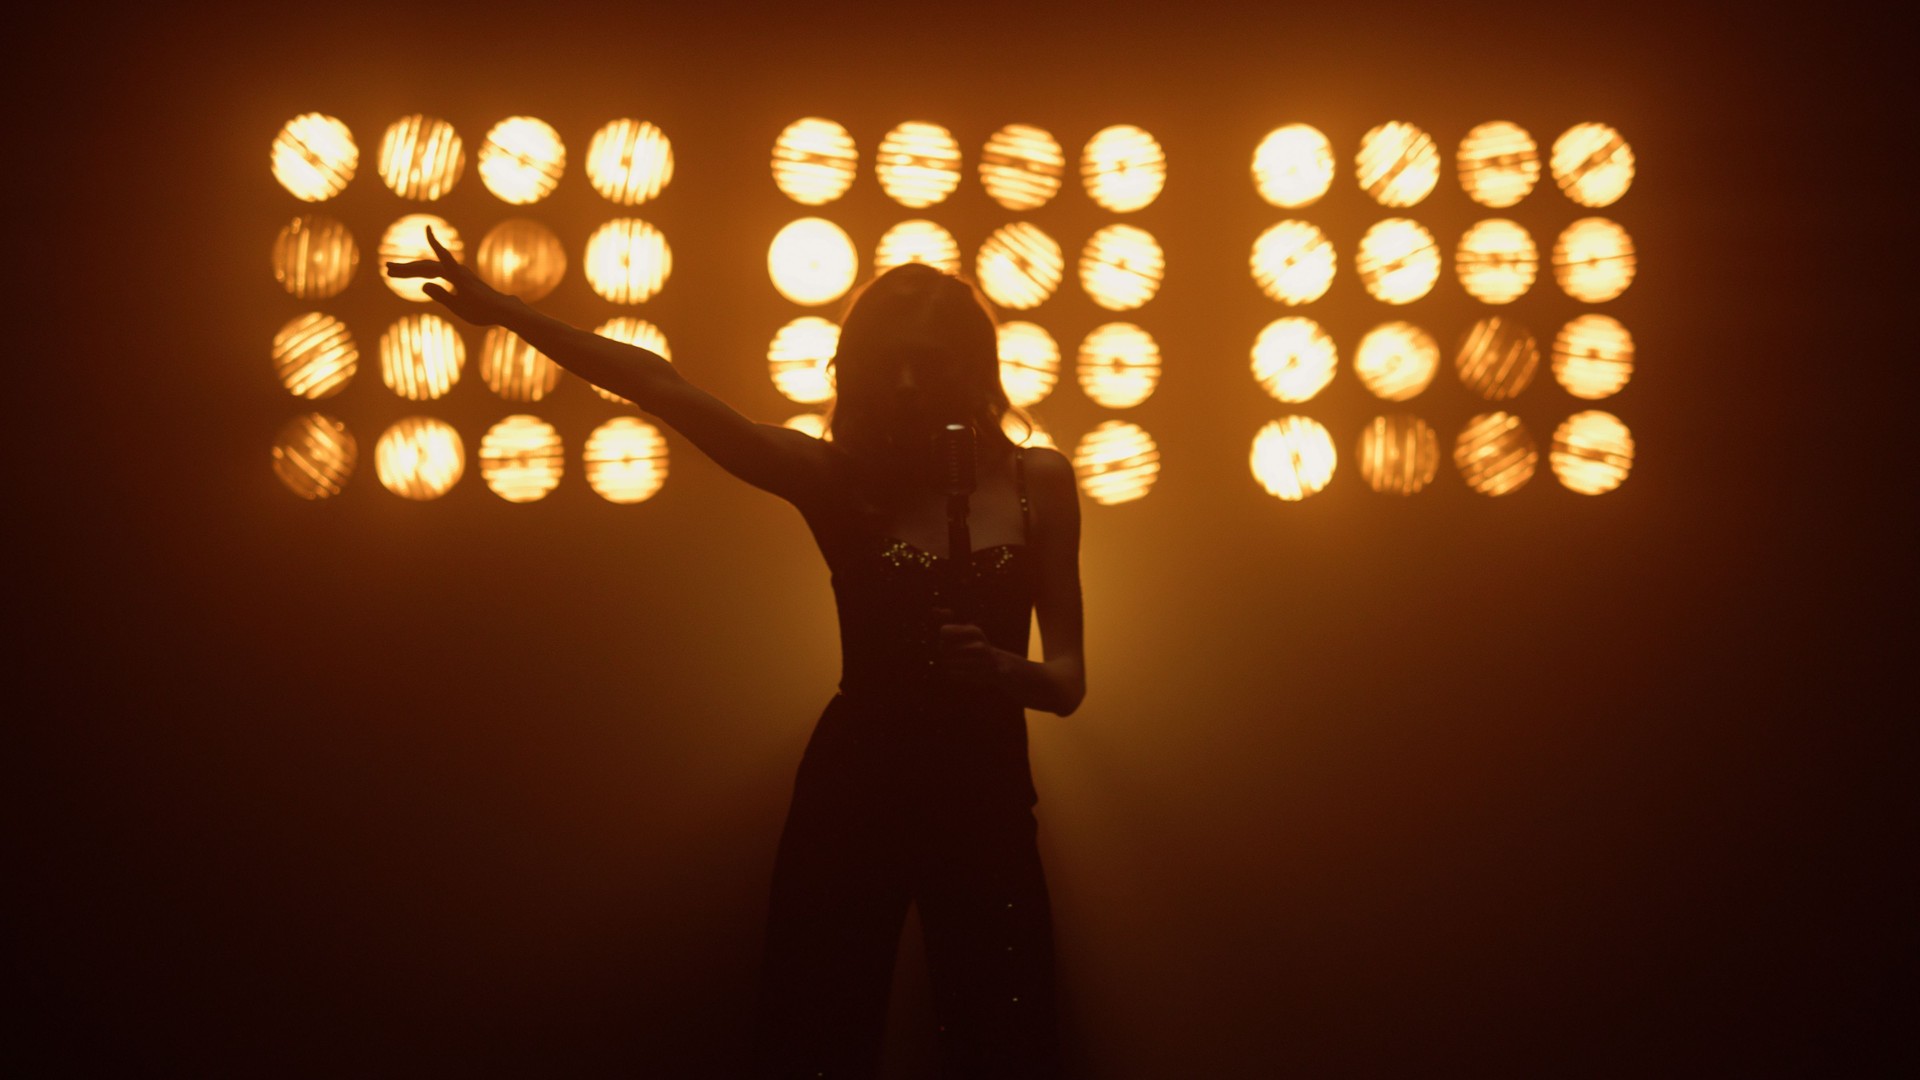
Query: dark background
x=1540, y=785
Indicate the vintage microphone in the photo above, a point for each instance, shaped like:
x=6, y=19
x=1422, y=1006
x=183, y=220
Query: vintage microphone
x=953, y=458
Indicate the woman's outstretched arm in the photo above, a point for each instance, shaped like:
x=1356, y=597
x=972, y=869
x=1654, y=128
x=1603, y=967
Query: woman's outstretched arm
x=787, y=463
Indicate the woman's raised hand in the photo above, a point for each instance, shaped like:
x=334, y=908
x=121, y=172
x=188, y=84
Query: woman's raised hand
x=470, y=298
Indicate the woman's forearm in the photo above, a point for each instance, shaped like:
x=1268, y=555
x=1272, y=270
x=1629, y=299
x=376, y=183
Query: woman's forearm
x=1049, y=687
x=627, y=370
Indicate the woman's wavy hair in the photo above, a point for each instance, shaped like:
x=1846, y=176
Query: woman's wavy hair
x=866, y=366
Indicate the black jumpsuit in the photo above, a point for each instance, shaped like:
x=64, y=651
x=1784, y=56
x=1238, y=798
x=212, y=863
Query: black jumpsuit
x=912, y=789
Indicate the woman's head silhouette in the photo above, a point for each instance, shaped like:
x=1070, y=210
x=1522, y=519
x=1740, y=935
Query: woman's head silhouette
x=918, y=348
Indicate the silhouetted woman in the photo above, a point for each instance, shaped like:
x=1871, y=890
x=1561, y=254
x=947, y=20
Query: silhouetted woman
x=914, y=786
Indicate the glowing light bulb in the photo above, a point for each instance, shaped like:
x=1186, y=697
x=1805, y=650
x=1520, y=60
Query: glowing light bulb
x=1399, y=455
x=1593, y=260
x=522, y=159
x=1293, y=262
x=514, y=369
x=628, y=261
x=521, y=458
x=1021, y=167
x=918, y=164
x=1592, y=452
x=1019, y=266
x=421, y=157
x=626, y=460
x=314, y=156
x=812, y=261
x=314, y=257
x=1398, y=261
x=1119, y=365
x=1398, y=164
x=799, y=359
x=522, y=258
x=1293, y=166
x=421, y=356
x=917, y=241
x=406, y=241
x=1592, y=164
x=1292, y=458
x=629, y=162
x=1121, y=267
x=313, y=455
x=809, y=423
x=1029, y=362
x=1498, y=163
x=1293, y=359
x=1496, y=261
x=420, y=458
x=314, y=355
x=1116, y=462
x=1593, y=356
x=1396, y=361
x=1497, y=358
x=1123, y=168
x=1495, y=454
x=814, y=161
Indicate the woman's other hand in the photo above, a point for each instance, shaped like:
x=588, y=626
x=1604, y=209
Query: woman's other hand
x=473, y=300
x=965, y=654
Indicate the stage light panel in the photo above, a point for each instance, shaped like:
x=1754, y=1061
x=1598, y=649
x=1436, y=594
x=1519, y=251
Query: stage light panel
x=1499, y=164
x=1293, y=262
x=420, y=458
x=1029, y=362
x=1294, y=359
x=626, y=460
x=1116, y=462
x=1119, y=365
x=1123, y=168
x=314, y=257
x=812, y=261
x=1293, y=166
x=314, y=455
x=314, y=355
x=918, y=164
x=1496, y=358
x=1593, y=260
x=521, y=458
x=522, y=258
x=1398, y=261
x=522, y=159
x=1495, y=454
x=421, y=157
x=1399, y=455
x=314, y=157
x=1396, y=361
x=1592, y=164
x=1021, y=167
x=628, y=261
x=798, y=359
x=1592, y=452
x=1593, y=356
x=514, y=369
x=917, y=241
x=1019, y=266
x=1497, y=261
x=421, y=356
x=406, y=241
x=629, y=162
x=1121, y=267
x=1293, y=458
x=814, y=161
x=1397, y=164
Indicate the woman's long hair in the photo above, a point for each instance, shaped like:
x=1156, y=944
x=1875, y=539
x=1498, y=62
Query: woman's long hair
x=913, y=298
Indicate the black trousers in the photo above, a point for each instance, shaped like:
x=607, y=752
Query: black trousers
x=873, y=826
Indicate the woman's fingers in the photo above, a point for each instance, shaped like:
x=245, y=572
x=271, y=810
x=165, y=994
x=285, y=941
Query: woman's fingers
x=434, y=243
x=417, y=268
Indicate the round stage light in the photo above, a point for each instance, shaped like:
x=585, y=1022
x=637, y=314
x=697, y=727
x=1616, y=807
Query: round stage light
x=421, y=357
x=809, y=423
x=917, y=241
x=1398, y=261
x=1293, y=359
x=812, y=262
x=628, y=261
x=1499, y=164
x=314, y=355
x=1398, y=164
x=1292, y=458
x=314, y=156
x=814, y=161
x=1494, y=453
x=522, y=258
x=1496, y=358
x=1029, y=362
x=1116, y=462
x=626, y=460
x=1023, y=435
x=1592, y=452
x=406, y=241
x=798, y=356
x=1293, y=166
x=313, y=455
x=420, y=458
x=1123, y=168
x=1399, y=455
x=421, y=157
x=1021, y=167
x=521, y=458
x=1121, y=267
x=522, y=159
x=314, y=257
x=629, y=162
x=1593, y=260
x=514, y=369
x=1592, y=164
x=1593, y=356
x=1293, y=262
x=1019, y=266
x=1119, y=365
x=1496, y=261
x=632, y=331
x=1396, y=361
x=918, y=164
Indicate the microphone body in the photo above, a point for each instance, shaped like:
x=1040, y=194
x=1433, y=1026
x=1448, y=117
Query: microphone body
x=953, y=457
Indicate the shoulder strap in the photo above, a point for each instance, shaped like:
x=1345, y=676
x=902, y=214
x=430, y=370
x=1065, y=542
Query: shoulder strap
x=1020, y=468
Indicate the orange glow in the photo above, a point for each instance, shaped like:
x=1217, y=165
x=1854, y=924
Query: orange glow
x=1494, y=454
x=1496, y=358
x=1593, y=356
x=917, y=241
x=514, y=369
x=1293, y=166
x=812, y=261
x=629, y=162
x=814, y=161
x=918, y=164
x=406, y=241
x=1293, y=262
x=1024, y=436
x=521, y=458
x=1592, y=452
x=809, y=423
x=522, y=258
x=1029, y=362
x=1021, y=167
x=1292, y=458
x=1499, y=163
x=633, y=331
x=522, y=159
x=1399, y=455
x=314, y=356
x=1121, y=267
x=628, y=261
x=314, y=257
x=1294, y=359
x=1593, y=260
x=1116, y=462
x=1123, y=168
x=314, y=157
x=420, y=458
x=421, y=356
x=421, y=158
x=1019, y=266
x=1398, y=261
x=1496, y=261
x=1592, y=164
x=626, y=460
x=1119, y=365
x=313, y=455
x=1396, y=361
x=798, y=357
x=1398, y=164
